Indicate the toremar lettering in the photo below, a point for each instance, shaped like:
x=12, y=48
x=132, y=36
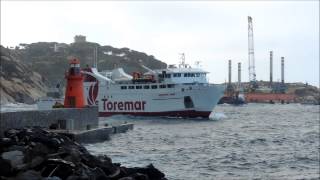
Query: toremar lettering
x=123, y=105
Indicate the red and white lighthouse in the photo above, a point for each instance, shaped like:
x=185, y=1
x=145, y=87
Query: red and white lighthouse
x=74, y=97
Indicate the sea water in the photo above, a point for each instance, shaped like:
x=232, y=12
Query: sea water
x=254, y=141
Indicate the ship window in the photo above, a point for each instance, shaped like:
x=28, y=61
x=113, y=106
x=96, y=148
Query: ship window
x=131, y=87
x=168, y=75
x=162, y=86
x=192, y=74
x=138, y=87
x=185, y=74
x=177, y=75
x=146, y=87
x=154, y=86
x=160, y=75
x=197, y=74
x=170, y=85
x=123, y=87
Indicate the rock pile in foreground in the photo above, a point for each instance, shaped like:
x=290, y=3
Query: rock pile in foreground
x=34, y=153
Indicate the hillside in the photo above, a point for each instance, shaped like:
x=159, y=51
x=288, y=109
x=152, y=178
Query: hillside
x=19, y=83
x=52, y=62
x=30, y=69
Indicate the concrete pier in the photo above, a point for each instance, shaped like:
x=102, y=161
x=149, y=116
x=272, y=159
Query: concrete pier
x=61, y=118
x=95, y=135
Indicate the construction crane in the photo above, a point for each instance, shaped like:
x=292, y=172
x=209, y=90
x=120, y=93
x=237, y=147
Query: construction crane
x=252, y=73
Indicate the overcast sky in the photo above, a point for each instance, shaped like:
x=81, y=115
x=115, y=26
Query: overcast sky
x=210, y=31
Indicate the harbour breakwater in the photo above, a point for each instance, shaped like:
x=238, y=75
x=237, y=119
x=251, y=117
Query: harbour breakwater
x=34, y=153
x=62, y=118
x=79, y=124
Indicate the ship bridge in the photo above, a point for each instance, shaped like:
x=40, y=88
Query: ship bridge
x=182, y=75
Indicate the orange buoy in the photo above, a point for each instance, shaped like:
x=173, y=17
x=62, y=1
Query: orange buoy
x=74, y=97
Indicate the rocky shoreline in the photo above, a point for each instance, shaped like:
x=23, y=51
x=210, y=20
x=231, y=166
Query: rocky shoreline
x=34, y=153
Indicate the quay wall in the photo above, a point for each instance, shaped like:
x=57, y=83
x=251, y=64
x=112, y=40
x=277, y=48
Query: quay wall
x=266, y=97
x=95, y=135
x=64, y=118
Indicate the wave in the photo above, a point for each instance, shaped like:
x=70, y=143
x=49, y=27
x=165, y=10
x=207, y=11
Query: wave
x=217, y=116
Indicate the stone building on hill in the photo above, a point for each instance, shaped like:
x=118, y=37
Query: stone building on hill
x=79, y=39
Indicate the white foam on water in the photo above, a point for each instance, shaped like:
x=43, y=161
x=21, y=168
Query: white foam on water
x=217, y=116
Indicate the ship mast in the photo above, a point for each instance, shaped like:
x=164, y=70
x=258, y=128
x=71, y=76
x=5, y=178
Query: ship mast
x=183, y=61
x=95, y=57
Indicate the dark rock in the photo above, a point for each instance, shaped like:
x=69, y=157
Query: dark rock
x=36, y=161
x=150, y=171
x=14, y=157
x=16, y=148
x=5, y=142
x=127, y=178
x=58, y=167
x=11, y=133
x=34, y=153
x=139, y=176
x=40, y=149
x=99, y=174
x=61, y=162
x=73, y=177
x=29, y=175
x=52, y=178
x=5, y=167
x=22, y=167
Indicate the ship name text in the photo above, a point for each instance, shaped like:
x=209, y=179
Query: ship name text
x=123, y=105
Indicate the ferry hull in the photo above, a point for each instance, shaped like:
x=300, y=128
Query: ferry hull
x=185, y=114
x=196, y=100
x=159, y=98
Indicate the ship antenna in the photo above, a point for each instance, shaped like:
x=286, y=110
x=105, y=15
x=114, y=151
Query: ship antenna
x=183, y=60
x=95, y=57
x=197, y=63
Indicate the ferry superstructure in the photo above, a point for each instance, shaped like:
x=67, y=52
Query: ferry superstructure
x=180, y=91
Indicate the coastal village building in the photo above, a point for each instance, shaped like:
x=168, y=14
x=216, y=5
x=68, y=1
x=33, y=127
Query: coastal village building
x=58, y=46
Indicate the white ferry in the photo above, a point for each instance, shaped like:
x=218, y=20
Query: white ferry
x=179, y=91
